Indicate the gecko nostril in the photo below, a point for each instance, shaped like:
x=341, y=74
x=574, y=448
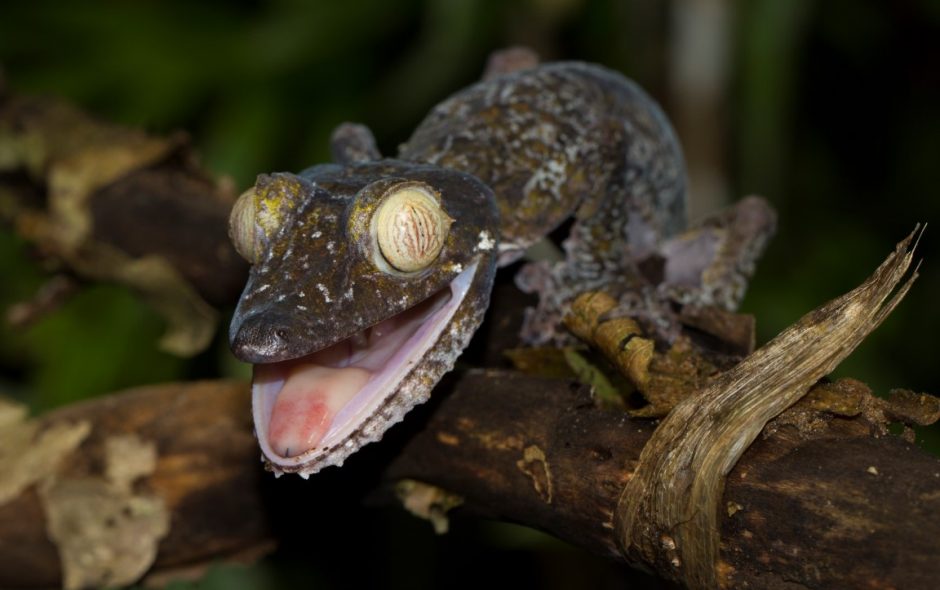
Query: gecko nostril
x=260, y=338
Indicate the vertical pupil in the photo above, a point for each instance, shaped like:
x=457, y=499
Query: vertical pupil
x=411, y=232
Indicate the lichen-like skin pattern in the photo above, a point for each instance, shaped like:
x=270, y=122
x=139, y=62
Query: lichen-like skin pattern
x=560, y=140
x=317, y=282
x=513, y=157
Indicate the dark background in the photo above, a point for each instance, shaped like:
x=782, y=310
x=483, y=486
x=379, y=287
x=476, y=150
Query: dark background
x=829, y=109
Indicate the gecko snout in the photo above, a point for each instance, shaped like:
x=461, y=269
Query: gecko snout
x=262, y=338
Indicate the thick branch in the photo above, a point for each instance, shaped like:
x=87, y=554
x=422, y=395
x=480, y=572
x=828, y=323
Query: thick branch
x=829, y=507
x=206, y=474
x=837, y=509
x=107, y=203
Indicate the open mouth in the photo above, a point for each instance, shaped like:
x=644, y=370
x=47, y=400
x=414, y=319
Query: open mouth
x=305, y=406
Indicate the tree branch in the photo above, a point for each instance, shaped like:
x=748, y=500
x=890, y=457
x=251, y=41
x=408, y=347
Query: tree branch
x=835, y=505
x=822, y=499
x=107, y=203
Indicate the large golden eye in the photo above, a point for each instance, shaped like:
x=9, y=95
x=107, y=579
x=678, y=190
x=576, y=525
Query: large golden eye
x=410, y=227
x=243, y=227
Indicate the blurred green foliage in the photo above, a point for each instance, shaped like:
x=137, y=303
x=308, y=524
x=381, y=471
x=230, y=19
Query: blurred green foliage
x=840, y=127
x=832, y=114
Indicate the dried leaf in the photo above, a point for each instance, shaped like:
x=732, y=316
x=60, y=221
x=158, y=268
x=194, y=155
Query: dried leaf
x=428, y=502
x=913, y=408
x=620, y=339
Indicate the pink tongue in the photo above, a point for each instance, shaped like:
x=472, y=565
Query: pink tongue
x=306, y=405
x=316, y=387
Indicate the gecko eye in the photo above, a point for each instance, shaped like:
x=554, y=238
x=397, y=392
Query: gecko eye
x=410, y=226
x=243, y=227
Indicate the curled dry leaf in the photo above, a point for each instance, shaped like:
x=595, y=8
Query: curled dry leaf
x=428, y=502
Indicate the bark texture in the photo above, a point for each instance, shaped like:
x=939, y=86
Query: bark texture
x=827, y=503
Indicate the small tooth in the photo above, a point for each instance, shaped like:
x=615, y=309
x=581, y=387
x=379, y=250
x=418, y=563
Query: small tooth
x=304, y=475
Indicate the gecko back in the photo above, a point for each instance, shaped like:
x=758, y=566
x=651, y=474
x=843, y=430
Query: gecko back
x=556, y=141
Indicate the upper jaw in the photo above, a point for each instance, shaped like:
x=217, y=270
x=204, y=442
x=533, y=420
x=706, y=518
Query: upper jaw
x=266, y=337
x=279, y=328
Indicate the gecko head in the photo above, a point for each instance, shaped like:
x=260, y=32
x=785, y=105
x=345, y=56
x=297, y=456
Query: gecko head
x=367, y=282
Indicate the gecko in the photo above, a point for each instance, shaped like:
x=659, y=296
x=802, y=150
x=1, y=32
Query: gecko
x=370, y=274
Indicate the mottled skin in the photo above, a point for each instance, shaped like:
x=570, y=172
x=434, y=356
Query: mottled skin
x=317, y=284
x=560, y=140
x=539, y=146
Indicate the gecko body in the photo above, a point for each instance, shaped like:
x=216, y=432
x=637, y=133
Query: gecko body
x=344, y=342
